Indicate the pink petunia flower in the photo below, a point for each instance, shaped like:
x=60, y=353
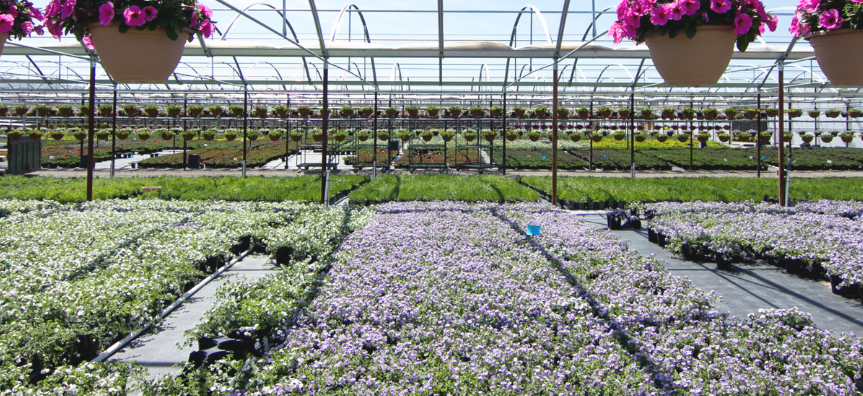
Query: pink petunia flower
x=616, y=31
x=720, y=6
x=622, y=8
x=772, y=22
x=53, y=8
x=206, y=28
x=150, y=13
x=675, y=11
x=194, y=22
x=106, y=13
x=205, y=11
x=795, y=21
x=641, y=7
x=659, y=16
x=55, y=30
x=831, y=20
x=134, y=16
x=809, y=6
x=857, y=1
x=6, y=23
x=690, y=7
x=67, y=9
x=13, y=10
x=27, y=27
x=39, y=30
x=88, y=42
x=742, y=23
x=36, y=14
x=631, y=19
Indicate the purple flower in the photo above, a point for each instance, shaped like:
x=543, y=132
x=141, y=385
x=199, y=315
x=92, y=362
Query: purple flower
x=6, y=23
x=676, y=11
x=106, y=13
x=659, y=15
x=720, y=6
x=67, y=9
x=809, y=6
x=690, y=7
x=150, y=13
x=134, y=16
x=206, y=28
x=27, y=28
x=831, y=20
x=742, y=24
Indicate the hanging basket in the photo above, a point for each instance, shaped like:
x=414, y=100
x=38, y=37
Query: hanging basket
x=619, y=137
x=724, y=138
x=826, y=138
x=700, y=60
x=682, y=138
x=596, y=138
x=661, y=138
x=575, y=137
x=640, y=139
x=847, y=139
x=839, y=54
x=296, y=138
x=137, y=56
x=806, y=138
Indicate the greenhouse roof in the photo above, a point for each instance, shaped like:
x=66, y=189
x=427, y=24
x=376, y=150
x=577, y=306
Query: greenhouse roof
x=419, y=51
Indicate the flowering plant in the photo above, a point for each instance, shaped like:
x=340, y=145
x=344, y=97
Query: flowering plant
x=826, y=15
x=16, y=18
x=638, y=18
x=73, y=16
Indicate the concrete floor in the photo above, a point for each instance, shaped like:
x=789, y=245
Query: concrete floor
x=750, y=287
x=161, y=351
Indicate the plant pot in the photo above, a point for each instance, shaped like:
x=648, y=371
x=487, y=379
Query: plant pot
x=839, y=54
x=661, y=138
x=512, y=138
x=296, y=138
x=317, y=138
x=619, y=137
x=596, y=138
x=700, y=60
x=847, y=139
x=469, y=138
x=362, y=138
x=724, y=139
x=764, y=140
x=640, y=139
x=339, y=138
x=35, y=136
x=682, y=138
x=826, y=138
x=274, y=138
x=427, y=138
x=230, y=138
x=703, y=139
x=137, y=56
x=574, y=137
x=533, y=138
x=806, y=139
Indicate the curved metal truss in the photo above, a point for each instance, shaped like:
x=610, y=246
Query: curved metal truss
x=273, y=52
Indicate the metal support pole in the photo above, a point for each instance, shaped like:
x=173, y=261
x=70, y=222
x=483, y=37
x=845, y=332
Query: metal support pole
x=554, y=137
x=245, y=124
x=781, y=93
x=758, y=138
x=503, y=165
x=91, y=127
x=632, y=132
x=324, y=125
x=114, y=132
x=374, y=138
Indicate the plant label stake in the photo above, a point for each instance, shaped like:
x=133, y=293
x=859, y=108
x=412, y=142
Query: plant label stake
x=533, y=230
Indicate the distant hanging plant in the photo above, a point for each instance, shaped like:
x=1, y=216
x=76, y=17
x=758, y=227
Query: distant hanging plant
x=17, y=19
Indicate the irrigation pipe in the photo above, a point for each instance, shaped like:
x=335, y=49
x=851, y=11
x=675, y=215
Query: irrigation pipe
x=167, y=311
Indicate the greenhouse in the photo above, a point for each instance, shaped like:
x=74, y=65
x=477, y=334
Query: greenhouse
x=605, y=197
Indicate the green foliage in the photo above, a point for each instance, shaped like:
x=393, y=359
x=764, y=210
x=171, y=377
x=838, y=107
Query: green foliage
x=275, y=189
x=443, y=187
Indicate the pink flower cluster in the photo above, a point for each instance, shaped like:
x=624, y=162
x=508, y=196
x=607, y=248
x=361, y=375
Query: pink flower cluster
x=815, y=15
x=16, y=18
x=637, y=16
x=62, y=14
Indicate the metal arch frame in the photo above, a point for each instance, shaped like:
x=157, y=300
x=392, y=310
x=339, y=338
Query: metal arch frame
x=440, y=41
x=593, y=23
x=397, y=66
x=515, y=29
x=318, y=30
x=297, y=44
x=599, y=77
x=479, y=79
x=338, y=24
x=286, y=23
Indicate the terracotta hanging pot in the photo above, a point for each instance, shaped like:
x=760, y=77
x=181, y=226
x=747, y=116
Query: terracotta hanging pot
x=839, y=54
x=137, y=56
x=700, y=60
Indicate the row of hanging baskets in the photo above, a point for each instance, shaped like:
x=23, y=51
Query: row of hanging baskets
x=136, y=41
x=692, y=46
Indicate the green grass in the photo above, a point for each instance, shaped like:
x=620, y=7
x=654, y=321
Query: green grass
x=304, y=189
x=443, y=187
x=590, y=189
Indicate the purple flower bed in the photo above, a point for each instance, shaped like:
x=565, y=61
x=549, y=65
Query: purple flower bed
x=451, y=298
x=685, y=345
x=824, y=234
